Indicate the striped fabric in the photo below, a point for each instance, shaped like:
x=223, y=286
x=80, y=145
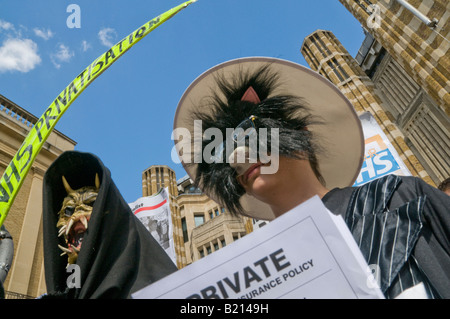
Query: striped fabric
x=387, y=237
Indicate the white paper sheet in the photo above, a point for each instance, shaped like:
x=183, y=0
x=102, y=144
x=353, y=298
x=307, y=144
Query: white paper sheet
x=306, y=253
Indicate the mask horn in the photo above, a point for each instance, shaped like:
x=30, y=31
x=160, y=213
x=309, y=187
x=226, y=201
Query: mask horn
x=67, y=186
x=97, y=181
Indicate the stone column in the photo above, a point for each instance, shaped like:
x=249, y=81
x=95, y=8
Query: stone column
x=27, y=244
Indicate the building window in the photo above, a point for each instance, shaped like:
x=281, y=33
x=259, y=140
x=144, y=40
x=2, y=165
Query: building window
x=199, y=219
x=192, y=189
x=208, y=249
x=323, y=49
x=202, y=253
x=211, y=215
x=337, y=69
x=428, y=134
x=222, y=241
x=184, y=228
x=237, y=236
x=158, y=186
x=365, y=6
x=216, y=246
x=376, y=63
x=332, y=66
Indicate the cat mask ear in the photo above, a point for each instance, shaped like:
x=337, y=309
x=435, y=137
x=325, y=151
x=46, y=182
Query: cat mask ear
x=251, y=96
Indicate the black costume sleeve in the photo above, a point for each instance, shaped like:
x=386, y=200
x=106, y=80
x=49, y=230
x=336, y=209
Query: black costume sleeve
x=433, y=246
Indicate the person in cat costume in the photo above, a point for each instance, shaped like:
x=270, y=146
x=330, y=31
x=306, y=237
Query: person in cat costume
x=401, y=224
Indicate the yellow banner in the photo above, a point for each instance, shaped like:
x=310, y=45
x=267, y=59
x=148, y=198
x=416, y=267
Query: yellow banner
x=20, y=165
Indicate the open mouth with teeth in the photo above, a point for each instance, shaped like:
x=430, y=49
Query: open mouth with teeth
x=74, y=218
x=74, y=232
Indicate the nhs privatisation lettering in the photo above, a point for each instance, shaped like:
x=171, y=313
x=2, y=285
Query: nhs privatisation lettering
x=60, y=104
x=377, y=165
x=4, y=195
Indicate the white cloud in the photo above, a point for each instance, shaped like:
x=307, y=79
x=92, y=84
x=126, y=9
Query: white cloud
x=19, y=55
x=6, y=25
x=85, y=45
x=44, y=34
x=62, y=55
x=107, y=36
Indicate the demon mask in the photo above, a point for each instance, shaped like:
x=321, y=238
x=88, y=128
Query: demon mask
x=74, y=217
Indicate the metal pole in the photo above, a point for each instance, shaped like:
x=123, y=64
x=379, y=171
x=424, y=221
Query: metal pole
x=430, y=23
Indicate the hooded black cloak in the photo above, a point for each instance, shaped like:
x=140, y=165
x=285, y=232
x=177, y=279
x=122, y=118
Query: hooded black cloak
x=118, y=256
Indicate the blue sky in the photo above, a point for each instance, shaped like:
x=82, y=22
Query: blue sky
x=126, y=115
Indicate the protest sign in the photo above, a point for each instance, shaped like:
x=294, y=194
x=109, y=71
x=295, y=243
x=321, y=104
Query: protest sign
x=154, y=213
x=381, y=158
x=306, y=253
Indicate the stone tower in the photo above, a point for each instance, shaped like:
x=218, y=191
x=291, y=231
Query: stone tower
x=326, y=55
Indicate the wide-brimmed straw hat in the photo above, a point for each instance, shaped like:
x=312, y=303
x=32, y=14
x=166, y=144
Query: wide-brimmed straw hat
x=339, y=134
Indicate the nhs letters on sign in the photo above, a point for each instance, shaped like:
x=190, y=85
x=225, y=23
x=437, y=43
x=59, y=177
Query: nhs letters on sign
x=381, y=158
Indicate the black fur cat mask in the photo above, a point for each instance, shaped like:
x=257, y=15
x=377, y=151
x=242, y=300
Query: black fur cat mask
x=313, y=120
x=229, y=109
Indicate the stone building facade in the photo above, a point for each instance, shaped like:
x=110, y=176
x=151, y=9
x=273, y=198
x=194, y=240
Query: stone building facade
x=201, y=226
x=409, y=103
x=24, y=220
x=326, y=55
x=421, y=50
